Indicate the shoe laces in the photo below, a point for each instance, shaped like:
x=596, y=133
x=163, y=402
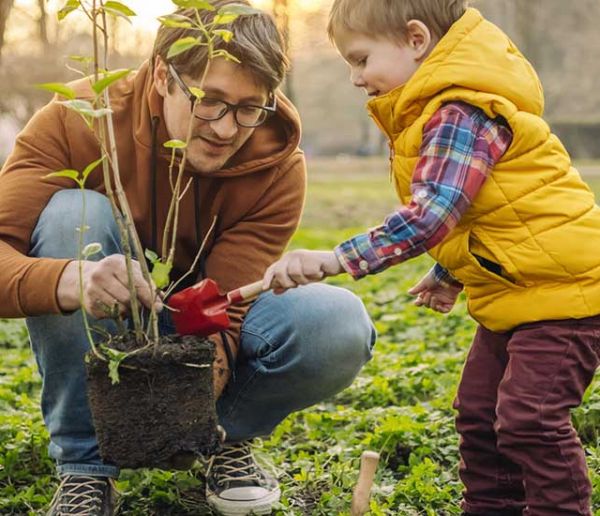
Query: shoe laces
x=79, y=495
x=236, y=463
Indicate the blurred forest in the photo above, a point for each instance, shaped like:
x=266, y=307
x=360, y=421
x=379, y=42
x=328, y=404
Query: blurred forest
x=560, y=38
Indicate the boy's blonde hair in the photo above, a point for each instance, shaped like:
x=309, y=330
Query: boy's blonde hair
x=388, y=18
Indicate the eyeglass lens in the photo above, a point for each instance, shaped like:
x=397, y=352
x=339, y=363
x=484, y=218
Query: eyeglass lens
x=213, y=109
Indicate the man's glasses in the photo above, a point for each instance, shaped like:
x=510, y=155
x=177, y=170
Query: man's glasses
x=209, y=109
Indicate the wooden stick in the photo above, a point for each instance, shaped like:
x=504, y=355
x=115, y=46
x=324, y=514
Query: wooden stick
x=246, y=292
x=362, y=491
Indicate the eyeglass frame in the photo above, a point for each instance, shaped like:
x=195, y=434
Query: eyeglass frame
x=230, y=107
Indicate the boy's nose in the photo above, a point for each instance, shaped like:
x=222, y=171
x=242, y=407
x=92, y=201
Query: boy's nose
x=356, y=79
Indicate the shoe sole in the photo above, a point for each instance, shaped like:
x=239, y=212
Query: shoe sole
x=233, y=508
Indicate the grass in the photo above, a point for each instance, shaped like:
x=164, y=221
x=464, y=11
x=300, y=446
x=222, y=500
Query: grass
x=399, y=405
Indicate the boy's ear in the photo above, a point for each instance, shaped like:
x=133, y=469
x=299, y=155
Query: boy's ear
x=160, y=76
x=419, y=38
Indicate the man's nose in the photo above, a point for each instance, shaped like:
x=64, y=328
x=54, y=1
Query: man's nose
x=225, y=128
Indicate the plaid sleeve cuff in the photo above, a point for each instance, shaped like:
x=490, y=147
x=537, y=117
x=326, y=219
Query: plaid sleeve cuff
x=351, y=260
x=360, y=257
x=442, y=275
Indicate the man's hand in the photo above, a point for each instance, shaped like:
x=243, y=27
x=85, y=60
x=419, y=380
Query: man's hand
x=438, y=296
x=105, y=289
x=299, y=268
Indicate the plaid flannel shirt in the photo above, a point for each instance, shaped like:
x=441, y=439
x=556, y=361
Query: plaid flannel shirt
x=460, y=147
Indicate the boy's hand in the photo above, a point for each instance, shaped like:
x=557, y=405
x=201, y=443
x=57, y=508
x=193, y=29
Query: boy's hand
x=438, y=296
x=299, y=268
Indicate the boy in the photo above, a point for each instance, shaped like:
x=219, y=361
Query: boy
x=490, y=193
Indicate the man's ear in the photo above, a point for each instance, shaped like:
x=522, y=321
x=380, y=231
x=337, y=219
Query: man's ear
x=160, y=75
x=419, y=38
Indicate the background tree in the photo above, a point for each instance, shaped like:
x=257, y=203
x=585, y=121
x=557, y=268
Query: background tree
x=43, y=23
x=5, y=7
x=282, y=19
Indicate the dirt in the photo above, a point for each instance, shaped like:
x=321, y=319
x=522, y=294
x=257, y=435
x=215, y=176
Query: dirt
x=163, y=404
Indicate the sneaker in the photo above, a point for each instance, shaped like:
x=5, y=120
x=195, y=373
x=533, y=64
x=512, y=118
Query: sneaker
x=236, y=485
x=82, y=495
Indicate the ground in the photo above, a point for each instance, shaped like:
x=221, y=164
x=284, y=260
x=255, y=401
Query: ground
x=400, y=404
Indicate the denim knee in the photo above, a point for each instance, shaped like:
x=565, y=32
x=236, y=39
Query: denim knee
x=320, y=334
x=56, y=234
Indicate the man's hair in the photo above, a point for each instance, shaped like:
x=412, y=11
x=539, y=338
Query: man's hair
x=256, y=43
x=389, y=18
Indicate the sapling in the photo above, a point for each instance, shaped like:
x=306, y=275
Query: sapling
x=97, y=113
x=92, y=248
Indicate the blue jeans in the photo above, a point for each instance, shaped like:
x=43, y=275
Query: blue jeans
x=296, y=349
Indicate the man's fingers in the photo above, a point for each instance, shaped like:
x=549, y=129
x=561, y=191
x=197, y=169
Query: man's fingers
x=143, y=290
x=119, y=293
x=102, y=305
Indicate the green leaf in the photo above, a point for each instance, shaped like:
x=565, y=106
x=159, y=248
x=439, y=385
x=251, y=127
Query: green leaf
x=69, y=7
x=225, y=18
x=113, y=371
x=85, y=108
x=181, y=45
x=101, y=84
x=226, y=55
x=197, y=92
x=115, y=358
x=151, y=255
x=118, y=14
x=160, y=274
x=225, y=35
x=67, y=172
x=58, y=88
x=196, y=4
x=176, y=21
x=119, y=7
x=81, y=59
x=91, y=249
x=175, y=144
x=239, y=9
x=90, y=168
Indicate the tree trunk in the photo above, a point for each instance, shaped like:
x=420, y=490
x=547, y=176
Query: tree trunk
x=43, y=23
x=5, y=7
x=282, y=19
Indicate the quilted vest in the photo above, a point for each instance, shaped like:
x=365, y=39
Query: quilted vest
x=534, y=219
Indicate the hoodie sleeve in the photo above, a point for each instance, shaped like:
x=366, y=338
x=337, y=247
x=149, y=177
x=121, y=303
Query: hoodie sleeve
x=29, y=284
x=242, y=253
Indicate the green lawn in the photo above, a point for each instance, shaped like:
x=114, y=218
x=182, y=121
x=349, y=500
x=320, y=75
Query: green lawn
x=399, y=405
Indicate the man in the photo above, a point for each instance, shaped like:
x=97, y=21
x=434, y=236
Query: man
x=286, y=352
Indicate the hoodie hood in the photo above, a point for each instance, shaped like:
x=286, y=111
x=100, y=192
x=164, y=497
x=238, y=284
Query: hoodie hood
x=473, y=55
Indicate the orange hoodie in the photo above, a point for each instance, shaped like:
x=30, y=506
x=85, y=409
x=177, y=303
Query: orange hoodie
x=257, y=197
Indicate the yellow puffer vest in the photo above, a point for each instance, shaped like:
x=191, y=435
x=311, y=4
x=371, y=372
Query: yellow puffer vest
x=534, y=216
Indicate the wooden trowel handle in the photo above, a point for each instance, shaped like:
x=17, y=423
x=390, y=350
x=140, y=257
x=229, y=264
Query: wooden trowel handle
x=246, y=292
x=362, y=491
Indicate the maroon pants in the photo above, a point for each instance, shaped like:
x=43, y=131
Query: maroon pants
x=518, y=447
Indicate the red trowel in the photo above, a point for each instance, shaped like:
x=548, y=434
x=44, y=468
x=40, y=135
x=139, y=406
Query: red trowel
x=202, y=309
